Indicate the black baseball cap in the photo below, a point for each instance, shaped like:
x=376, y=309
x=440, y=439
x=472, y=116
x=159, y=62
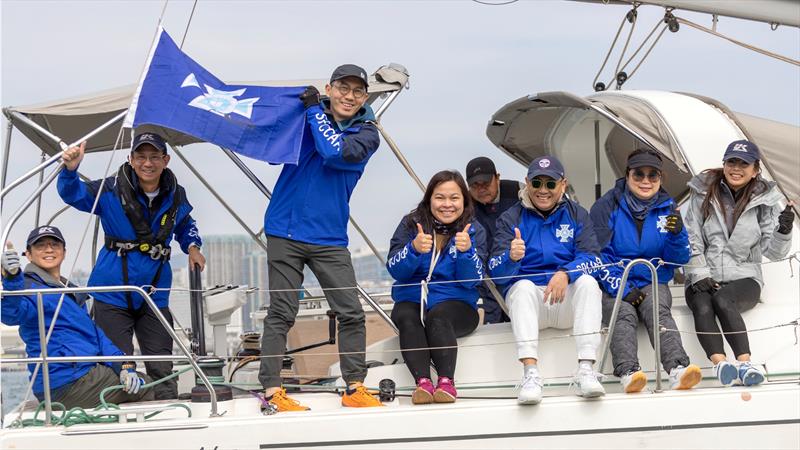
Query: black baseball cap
x=149, y=138
x=480, y=170
x=548, y=166
x=350, y=70
x=44, y=231
x=744, y=150
x=645, y=158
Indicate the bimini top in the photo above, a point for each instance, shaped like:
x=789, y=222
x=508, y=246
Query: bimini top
x=70, y=119
x=690, y=131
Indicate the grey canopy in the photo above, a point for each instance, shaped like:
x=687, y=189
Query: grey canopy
x=71, y=118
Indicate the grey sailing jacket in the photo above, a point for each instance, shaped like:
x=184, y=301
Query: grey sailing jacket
x=728, y=257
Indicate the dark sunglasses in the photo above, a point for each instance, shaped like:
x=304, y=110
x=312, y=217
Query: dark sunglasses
x=549, y=184
x=638, y=175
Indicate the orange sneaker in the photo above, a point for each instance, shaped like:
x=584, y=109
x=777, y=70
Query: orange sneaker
x=359, y=398
x=285, y=403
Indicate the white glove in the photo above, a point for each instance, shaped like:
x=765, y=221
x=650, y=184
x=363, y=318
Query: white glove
x=10, y=260
x=130, y=380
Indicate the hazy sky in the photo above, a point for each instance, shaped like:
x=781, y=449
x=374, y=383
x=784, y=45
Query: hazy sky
x=466, y=61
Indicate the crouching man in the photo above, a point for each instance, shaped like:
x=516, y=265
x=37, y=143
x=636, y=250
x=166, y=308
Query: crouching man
x=547, y=244
x=74, y=334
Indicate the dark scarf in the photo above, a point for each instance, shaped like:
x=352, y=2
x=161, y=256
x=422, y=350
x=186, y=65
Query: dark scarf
x=444, y=229
x=638, y=207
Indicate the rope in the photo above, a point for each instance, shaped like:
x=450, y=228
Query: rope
x=608, y=54
x=186, y=31
x=739, y=43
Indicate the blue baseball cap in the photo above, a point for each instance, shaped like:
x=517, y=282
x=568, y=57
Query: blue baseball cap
x=744, y=150
x=44, y=231
x=546, y=165
x=149, y=138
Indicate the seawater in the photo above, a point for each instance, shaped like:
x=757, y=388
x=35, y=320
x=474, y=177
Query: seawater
x=12, y=388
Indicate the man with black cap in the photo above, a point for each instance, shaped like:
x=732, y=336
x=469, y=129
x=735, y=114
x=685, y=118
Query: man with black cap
x=493, y=197
x=306, y=224
x=141, y=208
x=545, y=250
x=74, y=333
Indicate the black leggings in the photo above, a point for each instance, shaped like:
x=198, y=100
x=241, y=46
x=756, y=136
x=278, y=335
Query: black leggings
x=444, y=323
x=727, y=304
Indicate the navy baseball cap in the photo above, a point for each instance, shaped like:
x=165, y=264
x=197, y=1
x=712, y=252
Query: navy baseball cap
x=744, y=150
x=44, y=231
x=149, y=138
x=547, y=166
x=645, y=158
x=480, y=170
x=350, y=70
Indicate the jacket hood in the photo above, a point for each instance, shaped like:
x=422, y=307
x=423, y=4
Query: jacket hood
x=363, y=115
x=766, y=193
x=42, y=276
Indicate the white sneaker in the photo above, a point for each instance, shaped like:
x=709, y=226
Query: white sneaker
x=588, y=384
x=681, y=378
x=530, y=388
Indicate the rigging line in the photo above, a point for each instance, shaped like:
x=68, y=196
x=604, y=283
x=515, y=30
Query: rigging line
x=739, y=43
x=648, y=52
x=638, y=49
x=610, y=49
x=186, y=31
x=625, y=48
x=502, y=3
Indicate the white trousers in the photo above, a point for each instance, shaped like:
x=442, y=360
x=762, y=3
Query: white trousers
x=581, y=310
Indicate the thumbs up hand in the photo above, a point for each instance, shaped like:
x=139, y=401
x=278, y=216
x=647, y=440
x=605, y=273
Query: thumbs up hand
x=423, y=243
x=674, y=222
x=517, y=251
x=10, y=260
x=463, y=242
x=786, y=219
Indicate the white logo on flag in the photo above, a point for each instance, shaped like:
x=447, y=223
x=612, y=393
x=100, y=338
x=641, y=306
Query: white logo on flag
x=544, y=163
x=220, y=102
x=565, y=233
x=739, y=148
x=662, y=224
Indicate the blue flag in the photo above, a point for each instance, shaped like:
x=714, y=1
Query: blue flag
x=264, y=123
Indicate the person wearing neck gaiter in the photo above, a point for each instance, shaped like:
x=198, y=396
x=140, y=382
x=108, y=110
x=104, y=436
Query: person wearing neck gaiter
x=436, y=257
x=543, y=254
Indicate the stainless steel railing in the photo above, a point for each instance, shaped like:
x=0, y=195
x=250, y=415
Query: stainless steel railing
x=150, y=303
x=656, y=324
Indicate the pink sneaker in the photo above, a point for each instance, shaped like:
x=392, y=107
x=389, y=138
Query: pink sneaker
x=445, y=391
x=423, y=394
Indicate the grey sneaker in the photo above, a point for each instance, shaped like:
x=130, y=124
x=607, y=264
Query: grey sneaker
x=530, y=388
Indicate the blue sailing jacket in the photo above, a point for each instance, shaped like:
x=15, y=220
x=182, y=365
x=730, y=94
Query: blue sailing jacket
x=410, y=267
x=310, y=202
x=619, y=239
x=141, y=268
x=74, y=333
x=564, y=240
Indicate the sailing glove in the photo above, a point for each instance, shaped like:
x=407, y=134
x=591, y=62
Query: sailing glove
x=786, y=220
x=130, y=380
x=707, y=284
x=674, y=223
x=310, y=97
x=634, y=297
x=10, y=262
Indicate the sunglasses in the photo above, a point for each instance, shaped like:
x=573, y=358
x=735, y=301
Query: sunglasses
x=639, y=175
x=549, y=184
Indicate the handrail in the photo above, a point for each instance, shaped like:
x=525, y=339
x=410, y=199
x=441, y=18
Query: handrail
x=656, y=324
x=150, y=303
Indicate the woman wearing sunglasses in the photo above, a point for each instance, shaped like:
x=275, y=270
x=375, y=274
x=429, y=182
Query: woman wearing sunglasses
x=637, y=219
x=734, y=219
x=436, y=257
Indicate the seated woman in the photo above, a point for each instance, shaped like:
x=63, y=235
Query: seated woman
x=734, y=219
x=74, y=334
x=437, y=243
x=637, y=219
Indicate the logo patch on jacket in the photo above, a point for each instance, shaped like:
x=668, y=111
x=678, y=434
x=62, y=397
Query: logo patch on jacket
x=565, y=233
x=662, y=224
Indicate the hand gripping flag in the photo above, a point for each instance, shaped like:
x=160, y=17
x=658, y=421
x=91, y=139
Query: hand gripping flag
x=261, y=122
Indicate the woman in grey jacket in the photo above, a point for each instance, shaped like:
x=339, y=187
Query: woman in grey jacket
x=734, y=218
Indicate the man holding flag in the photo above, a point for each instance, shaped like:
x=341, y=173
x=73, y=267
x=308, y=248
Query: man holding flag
x=140, y=208
x=306, y=224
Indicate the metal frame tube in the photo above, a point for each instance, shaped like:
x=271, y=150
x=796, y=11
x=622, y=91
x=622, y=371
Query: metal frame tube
x=218, y=197
x=121, y=358
x=48, y=406
x=153, y=307
x=377, y=308
x=57, y=213
x=13, y=219
x=385, y=105
x=656, y=324
x=6, y=154
x=38, y=210
x=400, y=156
x=597, y=186
x=57, y=140
x=95, y=235
x=44, y=131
